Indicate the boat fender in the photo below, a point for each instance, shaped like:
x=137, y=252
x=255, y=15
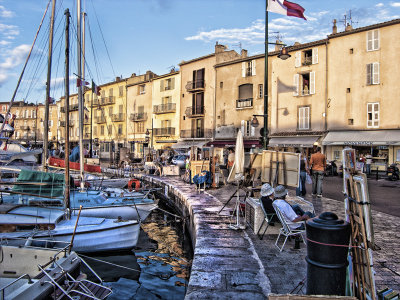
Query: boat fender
x=134, y=181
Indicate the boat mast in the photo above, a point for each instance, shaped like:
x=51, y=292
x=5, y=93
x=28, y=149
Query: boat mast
x=80, y=101
x=47, y=99
x=66, y=150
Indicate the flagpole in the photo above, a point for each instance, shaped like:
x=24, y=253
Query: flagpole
x=265, y=133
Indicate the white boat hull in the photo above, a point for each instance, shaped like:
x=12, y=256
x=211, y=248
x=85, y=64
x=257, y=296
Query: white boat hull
x=126, y=212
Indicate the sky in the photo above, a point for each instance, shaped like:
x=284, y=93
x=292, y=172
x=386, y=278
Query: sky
x=133, y=36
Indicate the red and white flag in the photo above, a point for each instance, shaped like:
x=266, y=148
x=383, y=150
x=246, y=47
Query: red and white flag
x=286, y=8
x=80, y=82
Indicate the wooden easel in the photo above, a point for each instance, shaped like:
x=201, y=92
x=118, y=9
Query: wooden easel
x=274, y=182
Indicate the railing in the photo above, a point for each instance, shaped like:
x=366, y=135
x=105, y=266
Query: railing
x=244, y=103
x=195, y=85
x=195, y=111
x=118, y=117
x=307, y=61
x=167, y=131
x=96, y=102
x=138, y=117
x=197, y=133
x=74, y=107
x=107, y=100
x=164, y=108
x=100, y=120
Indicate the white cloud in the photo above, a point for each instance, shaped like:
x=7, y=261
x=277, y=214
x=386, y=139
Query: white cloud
x=379, y=5
x=15, y=57
x=5, y=13
x=395, y=4
x=9, y=30
x=4, y=43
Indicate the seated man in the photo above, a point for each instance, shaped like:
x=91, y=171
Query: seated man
x=294, y=213
x=266, y=201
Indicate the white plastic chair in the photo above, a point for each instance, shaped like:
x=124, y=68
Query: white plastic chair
x=286, y=230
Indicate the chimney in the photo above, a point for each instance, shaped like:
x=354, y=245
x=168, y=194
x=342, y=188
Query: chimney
x=296, y=43
x=334, y=28
x=117, y=79
x=243, y=53
x=278, y=45
x=219, y=48
x=348, y=27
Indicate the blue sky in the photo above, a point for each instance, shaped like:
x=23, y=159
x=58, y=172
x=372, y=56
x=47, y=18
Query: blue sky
x=143, y=35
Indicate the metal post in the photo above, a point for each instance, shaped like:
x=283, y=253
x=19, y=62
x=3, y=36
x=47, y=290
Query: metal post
x=265, y=133
x=66, y=147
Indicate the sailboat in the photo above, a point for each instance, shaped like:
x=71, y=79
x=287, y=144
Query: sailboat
x=89, y=234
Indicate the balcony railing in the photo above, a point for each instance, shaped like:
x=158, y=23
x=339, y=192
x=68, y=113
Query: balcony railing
x=107, y=100
x=96, y=102
x=244, y=103
x=164, y=108
x=100, y=120
x=118, y=117
x=138, y=117
x=195, y=85
x=74, y=107
x=167, y=131
x=195, y=111
x=307, y=61
x=197, y=133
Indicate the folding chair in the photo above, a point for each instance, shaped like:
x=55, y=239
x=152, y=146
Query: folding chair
x=286, y=230
x=267, y=219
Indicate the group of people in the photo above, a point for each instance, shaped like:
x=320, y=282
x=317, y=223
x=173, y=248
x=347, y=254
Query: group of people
x=314, y=168
x=293, y=214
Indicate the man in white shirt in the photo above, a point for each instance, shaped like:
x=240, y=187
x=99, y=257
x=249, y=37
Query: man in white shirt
x=292, y=214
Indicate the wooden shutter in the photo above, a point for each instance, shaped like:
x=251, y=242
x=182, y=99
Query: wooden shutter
x=243, y=69
x=375, y=73
x=297, y=59
x=307, y=117
x=376, y=39
x=296, y=84
x=242, y=126
x=161, y=85
x=369, y=73
x=314, y=56
x=253, y=67
x=376, y=115
x=172, y=83
x=369, y=40
x=312, y=82
x=300, y=118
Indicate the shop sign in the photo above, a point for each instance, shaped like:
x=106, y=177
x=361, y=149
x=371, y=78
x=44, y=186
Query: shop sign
x=360, y=143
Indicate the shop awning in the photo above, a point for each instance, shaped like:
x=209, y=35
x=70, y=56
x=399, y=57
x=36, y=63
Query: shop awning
x=293, y=141
x=362, y=138
x=188, y=144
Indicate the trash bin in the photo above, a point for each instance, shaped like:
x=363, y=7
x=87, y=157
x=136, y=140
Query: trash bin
x=327, y=238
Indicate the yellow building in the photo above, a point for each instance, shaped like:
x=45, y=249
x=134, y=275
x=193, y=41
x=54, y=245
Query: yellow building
x=198, y=97
x=140, y=111
x=166, y=109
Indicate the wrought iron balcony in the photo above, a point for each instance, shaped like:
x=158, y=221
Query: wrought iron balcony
x=120, y=117
x=167, y=131
x=74, y=107
x=196, y=85
x=62, y=109
x=164, y=108
x=25, y=128
x=138, y=117
x=197, y=133
x=195, y=111
x=100, y=120
x=107, y=100
x=307, y=61
x=244, y=103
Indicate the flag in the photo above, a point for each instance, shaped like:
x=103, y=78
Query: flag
x=95, y=89
x=286, y=8
x=80, y=82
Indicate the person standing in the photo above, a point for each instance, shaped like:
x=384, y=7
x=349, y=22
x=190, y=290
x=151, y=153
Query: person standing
x=318, y=165
x=368, y=162
x=301, y=190
x=231, y=159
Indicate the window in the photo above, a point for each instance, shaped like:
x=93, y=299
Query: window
x=102, y=130
x=109, y=129
x=248, y=68
x=337, y=154
x=121, y=91
x=110, y=111
x=373, y=115
x=306, y=57
x=373, y=40
x=110, y=92
x=245, y=96
x=260, y=91
x=94, y=130
x=140, y=127
x=167, y=84
x=304, y=84
x=373, y=73
x=221, y=84
x=247, y=129
x=119, y=129
x=142, y=89
x=303, y=118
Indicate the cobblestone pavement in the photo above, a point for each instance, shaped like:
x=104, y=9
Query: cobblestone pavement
x=286, y=270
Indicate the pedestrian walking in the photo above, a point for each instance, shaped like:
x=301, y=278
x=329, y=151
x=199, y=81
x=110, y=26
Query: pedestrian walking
x=318, y=165
x=301, y=190
x=368, y=162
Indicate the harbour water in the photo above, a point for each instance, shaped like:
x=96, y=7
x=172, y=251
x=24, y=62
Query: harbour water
x=158, y=268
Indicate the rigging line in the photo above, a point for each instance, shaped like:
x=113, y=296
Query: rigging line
x=93, y=52
x=101, y=32
x=22, y=73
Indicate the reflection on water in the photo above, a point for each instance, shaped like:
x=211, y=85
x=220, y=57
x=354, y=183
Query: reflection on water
x=159, y=268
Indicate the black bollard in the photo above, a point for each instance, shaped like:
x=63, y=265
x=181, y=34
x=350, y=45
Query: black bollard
x=327, y=238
